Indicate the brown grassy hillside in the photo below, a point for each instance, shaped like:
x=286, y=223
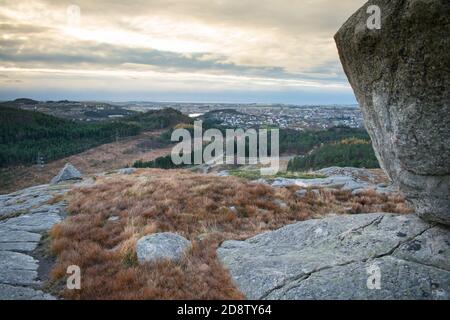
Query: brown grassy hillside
x=205, y=209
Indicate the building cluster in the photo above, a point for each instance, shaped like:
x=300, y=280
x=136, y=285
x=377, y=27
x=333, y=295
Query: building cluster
x=293, y=117
x=232, y=115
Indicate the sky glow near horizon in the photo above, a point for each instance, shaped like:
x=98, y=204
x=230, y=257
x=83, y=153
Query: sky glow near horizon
x=277, y=51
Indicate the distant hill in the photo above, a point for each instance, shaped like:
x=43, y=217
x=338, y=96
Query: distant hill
x=215, y=114
x=229, y=111
x=26, y=135
x=26, y=101
x=73, y=110
x=159, y=119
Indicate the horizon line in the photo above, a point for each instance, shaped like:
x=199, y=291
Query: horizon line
x=184, y=102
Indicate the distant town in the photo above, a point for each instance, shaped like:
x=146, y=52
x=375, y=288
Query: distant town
x=295, y=117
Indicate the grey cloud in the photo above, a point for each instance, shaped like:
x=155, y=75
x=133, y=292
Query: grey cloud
x=293, y=40
x=12, y=81
x=96, y=55
x=290, y=15
x=9, y=28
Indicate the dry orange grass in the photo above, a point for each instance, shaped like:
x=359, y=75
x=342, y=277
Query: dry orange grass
x=205, y=209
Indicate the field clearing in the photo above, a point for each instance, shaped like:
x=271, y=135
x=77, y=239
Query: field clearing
x=103, y=158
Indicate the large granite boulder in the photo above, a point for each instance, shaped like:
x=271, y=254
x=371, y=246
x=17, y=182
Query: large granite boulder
x=400, y=75
x=161, y=246
x=340, y=257
x=69, y=172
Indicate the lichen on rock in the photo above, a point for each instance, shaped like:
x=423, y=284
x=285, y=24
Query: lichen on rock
x=400, y=76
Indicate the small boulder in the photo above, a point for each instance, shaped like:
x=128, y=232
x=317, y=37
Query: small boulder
x=126, y=171
x=69, y=172
x=233, y=209
x=301, y=193
x=223, y=173
x=161, y=246
x=281, y=204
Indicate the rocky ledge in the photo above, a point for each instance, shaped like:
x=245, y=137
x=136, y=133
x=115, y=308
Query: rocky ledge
x=25, y=216
x=333, y=258
x=348, y=179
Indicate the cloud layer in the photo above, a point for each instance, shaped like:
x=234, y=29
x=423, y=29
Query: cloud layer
x=156, y=49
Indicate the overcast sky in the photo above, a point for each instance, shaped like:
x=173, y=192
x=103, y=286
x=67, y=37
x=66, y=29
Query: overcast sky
x=174, y=50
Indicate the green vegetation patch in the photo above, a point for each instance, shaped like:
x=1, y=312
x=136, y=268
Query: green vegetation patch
x=26, y=135
x=256, y=174
x=346, y=153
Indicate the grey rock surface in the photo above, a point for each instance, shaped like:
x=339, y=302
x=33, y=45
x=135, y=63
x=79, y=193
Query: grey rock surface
x=34, y=222
x=356, y=173
x=161, y=246
x=397, y=277
x=330, y=258
x=25, y=216
x=334, y=182
x=8, y=292
x=401, y=80
x=126, y=171
x=223, y=173
x=17, y=268
x=23, y=201
x=301, y=193
x=69, y=172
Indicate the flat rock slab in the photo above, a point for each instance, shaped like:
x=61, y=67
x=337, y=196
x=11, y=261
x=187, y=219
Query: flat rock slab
x=16, y=240
x=8, y=292
x=400, y=280
x=17, y=268
x=24, y=200
x=7, y=235
x=24, y=216
x=19, y=246
x=337, y=182
x=357, y=173
x=39, y=221
x=330, y=259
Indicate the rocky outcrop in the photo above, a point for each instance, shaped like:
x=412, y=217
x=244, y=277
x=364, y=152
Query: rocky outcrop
x=332, y=182
x=356, y=180
x=400, y=76
x=340, y=257
x=126, y=171
x=161, y=246
x=355, y=173
x=25, y=216
x=69, y=172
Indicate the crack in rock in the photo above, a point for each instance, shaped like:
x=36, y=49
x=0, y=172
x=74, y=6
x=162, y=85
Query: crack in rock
x=24, y=215
x=268, y=265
